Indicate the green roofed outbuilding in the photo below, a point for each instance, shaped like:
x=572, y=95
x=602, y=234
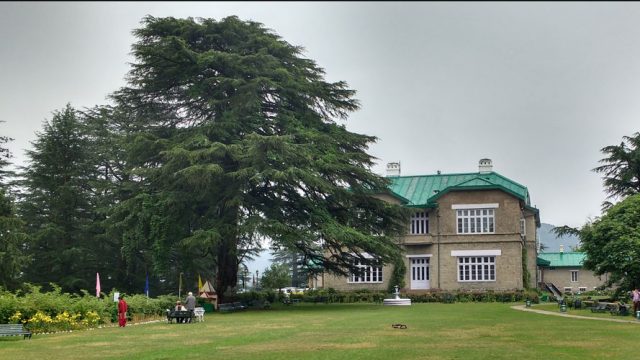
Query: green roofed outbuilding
x=566, y=271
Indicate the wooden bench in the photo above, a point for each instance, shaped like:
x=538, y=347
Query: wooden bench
x=181, y=316
x=13, y=330
x=231, y=307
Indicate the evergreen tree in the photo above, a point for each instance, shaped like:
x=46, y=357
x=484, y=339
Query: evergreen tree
x=239, y=138
x=57, y=208
x=5, y=156
x=277, y=276
x=295, y=263
x=612, y=243
x=621, y=168
x=13, y=239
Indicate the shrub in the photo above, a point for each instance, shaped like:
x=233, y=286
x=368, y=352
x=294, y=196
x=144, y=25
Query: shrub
x=57, y=311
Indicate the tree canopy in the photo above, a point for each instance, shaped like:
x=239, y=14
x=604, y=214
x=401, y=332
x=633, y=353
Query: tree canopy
x=612, y=243
x=238, y=138
x=621, y=168
x=277, y=276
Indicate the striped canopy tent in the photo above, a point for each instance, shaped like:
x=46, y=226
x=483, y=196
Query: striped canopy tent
x=208, y=292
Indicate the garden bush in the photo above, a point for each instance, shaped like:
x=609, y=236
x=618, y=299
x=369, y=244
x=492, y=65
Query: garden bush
x=57, y=311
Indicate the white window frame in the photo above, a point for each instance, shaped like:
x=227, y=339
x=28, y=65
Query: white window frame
x=574, y=275
x=475, y=206
x=477, y=268
x=472, y=219
x=523, y=227
x=419, y=224
x=582, y=289
x=371, y=274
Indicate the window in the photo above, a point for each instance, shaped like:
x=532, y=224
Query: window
x=367, y=274
x=419, y=223
x=476, y=221
x=523, y=227
x=477, y=268
x=568, y=290
x=582, y=289
x=574, y=275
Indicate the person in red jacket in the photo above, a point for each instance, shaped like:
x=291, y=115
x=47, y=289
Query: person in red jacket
x=122, y=311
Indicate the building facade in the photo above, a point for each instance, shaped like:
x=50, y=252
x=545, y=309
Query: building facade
x=470, y=231
x=564, y=270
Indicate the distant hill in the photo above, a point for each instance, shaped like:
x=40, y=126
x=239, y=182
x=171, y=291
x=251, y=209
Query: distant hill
x=552, y=242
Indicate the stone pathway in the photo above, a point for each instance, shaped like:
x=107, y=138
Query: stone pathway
x=557, y=313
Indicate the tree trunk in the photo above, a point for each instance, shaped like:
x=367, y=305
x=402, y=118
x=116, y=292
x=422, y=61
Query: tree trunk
x=227, y=274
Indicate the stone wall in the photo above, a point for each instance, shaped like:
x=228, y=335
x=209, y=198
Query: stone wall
x=561, y=278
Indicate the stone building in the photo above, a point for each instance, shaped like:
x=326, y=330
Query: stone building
x=474, y=231
x=564, y=271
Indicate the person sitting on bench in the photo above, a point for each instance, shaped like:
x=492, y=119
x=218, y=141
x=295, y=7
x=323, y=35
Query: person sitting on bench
x=179, y=307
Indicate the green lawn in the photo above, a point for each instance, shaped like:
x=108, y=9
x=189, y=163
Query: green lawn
x=350, y=331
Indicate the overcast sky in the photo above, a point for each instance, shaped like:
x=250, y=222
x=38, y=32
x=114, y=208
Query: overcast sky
x=539, y=88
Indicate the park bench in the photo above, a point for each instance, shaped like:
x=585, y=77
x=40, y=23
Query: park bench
x=14, y=329
x=599, y=307
x=225, y=307
x=238, y=306
x=259, y=305
x=181, y=316
x=621, y=310
x=230, y=307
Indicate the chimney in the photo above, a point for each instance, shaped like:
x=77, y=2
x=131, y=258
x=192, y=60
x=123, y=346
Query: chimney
x=485, y=166
x=393, y=169
x=561, y=248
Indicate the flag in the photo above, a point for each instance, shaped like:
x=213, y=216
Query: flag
x=199, y=284
x=146, y=286
x=97, y=284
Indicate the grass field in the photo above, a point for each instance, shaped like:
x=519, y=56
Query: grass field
x=349, y=331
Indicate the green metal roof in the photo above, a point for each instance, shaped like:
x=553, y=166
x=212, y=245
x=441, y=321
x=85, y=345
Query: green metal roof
x=542, y=262
x=567, y=259
x=424, y=190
